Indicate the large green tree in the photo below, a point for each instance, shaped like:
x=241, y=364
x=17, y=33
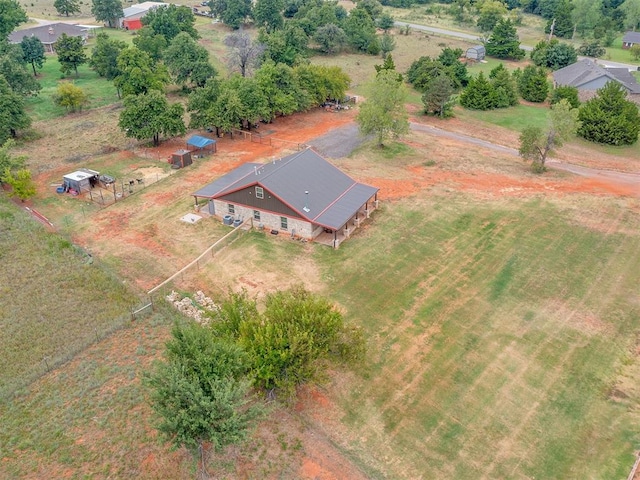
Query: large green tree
x=554, y=54
x=504, y=42
x=437, y=97
x=104, y=56
x=561, y=21
x=361, y=31
x=479, y=94
x=609, y=117
x=33, y=52
x=330, y=38
x=533, y=85
x=13, y=116
x=631, y=10
x=536, y=144
x=11, y=15
x=233, y=13
x=268, y=14
x=383, y=113
x=586, y=15
x=138, y=73
x=153, y=43
x=491, y=12
x=107, y=11
x=149, y=116
x=170, y=20
x=201, y=392
x=281, y=88
x=287, y=45
x=67, y=7
x=9, y=162
x=187, y=61
x=504, y=87
x=14, y=70
x=70, y=51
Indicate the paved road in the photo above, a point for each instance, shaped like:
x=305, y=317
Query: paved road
x=476, y=38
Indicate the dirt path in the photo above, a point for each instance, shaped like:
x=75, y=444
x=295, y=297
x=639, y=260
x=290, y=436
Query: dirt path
x=631, y=179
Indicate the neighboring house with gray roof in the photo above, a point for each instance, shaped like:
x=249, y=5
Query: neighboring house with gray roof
x=302, y=195
x=49, y=34
x=630, y=39
x=587, y=75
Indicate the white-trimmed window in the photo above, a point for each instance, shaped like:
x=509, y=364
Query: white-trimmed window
x=284, y=224
x=232, y=208
x=259, y=192
x=256, y=215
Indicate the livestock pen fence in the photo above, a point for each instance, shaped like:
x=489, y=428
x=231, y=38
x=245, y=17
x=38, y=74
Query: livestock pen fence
x=263, y=139
x=201, y=259
x=106, y=195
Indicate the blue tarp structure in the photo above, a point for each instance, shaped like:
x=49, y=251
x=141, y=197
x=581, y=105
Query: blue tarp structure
x=202, y=142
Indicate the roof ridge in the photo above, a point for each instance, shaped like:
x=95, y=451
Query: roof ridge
x=336, y=199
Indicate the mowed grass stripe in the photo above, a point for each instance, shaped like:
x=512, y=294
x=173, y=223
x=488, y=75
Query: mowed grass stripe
x=489, y=365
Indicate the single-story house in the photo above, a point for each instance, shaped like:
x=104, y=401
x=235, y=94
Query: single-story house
x=49, y=34
x=133, y=15
x=83, y=179
x=630, y=39
x=587, y=75
x=302, y=195
x=477, y=53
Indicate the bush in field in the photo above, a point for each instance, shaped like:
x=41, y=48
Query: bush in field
x=70, y=97
x=292, y=341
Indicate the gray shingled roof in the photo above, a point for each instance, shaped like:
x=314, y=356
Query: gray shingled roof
x=631, y=37
x=586, y=70
x=48, y=33
x=333, y=196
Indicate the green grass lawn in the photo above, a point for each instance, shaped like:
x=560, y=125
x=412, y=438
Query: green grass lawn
x=615, y=53
x=100, y=91
x=56, y=300
x=513, y=118
x=499, y=335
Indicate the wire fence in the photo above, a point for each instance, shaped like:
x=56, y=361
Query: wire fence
x=256, y=137
x=106, y=195
x=205, y=256
x=73, y=348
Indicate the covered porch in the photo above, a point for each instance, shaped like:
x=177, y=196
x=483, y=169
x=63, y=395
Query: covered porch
x=334, y=238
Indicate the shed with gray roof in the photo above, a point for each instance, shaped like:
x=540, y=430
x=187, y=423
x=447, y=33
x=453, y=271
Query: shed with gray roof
x=587, y=75
x=302, y=194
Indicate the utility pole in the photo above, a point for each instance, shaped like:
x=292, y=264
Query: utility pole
x=553, y=24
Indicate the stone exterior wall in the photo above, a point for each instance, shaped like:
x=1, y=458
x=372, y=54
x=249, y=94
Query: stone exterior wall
x=269, y=221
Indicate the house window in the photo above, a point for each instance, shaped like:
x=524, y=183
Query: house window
x=256, y=215
x=232, y=208
x=283, y=223
x=259, y=192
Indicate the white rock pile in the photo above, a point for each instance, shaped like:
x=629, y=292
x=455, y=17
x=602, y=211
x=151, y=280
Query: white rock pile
x=193, y=309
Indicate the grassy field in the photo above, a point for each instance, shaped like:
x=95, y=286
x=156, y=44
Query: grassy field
x=100, y=91
x=513, y=118
x=57, y=299
x=501, y=335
